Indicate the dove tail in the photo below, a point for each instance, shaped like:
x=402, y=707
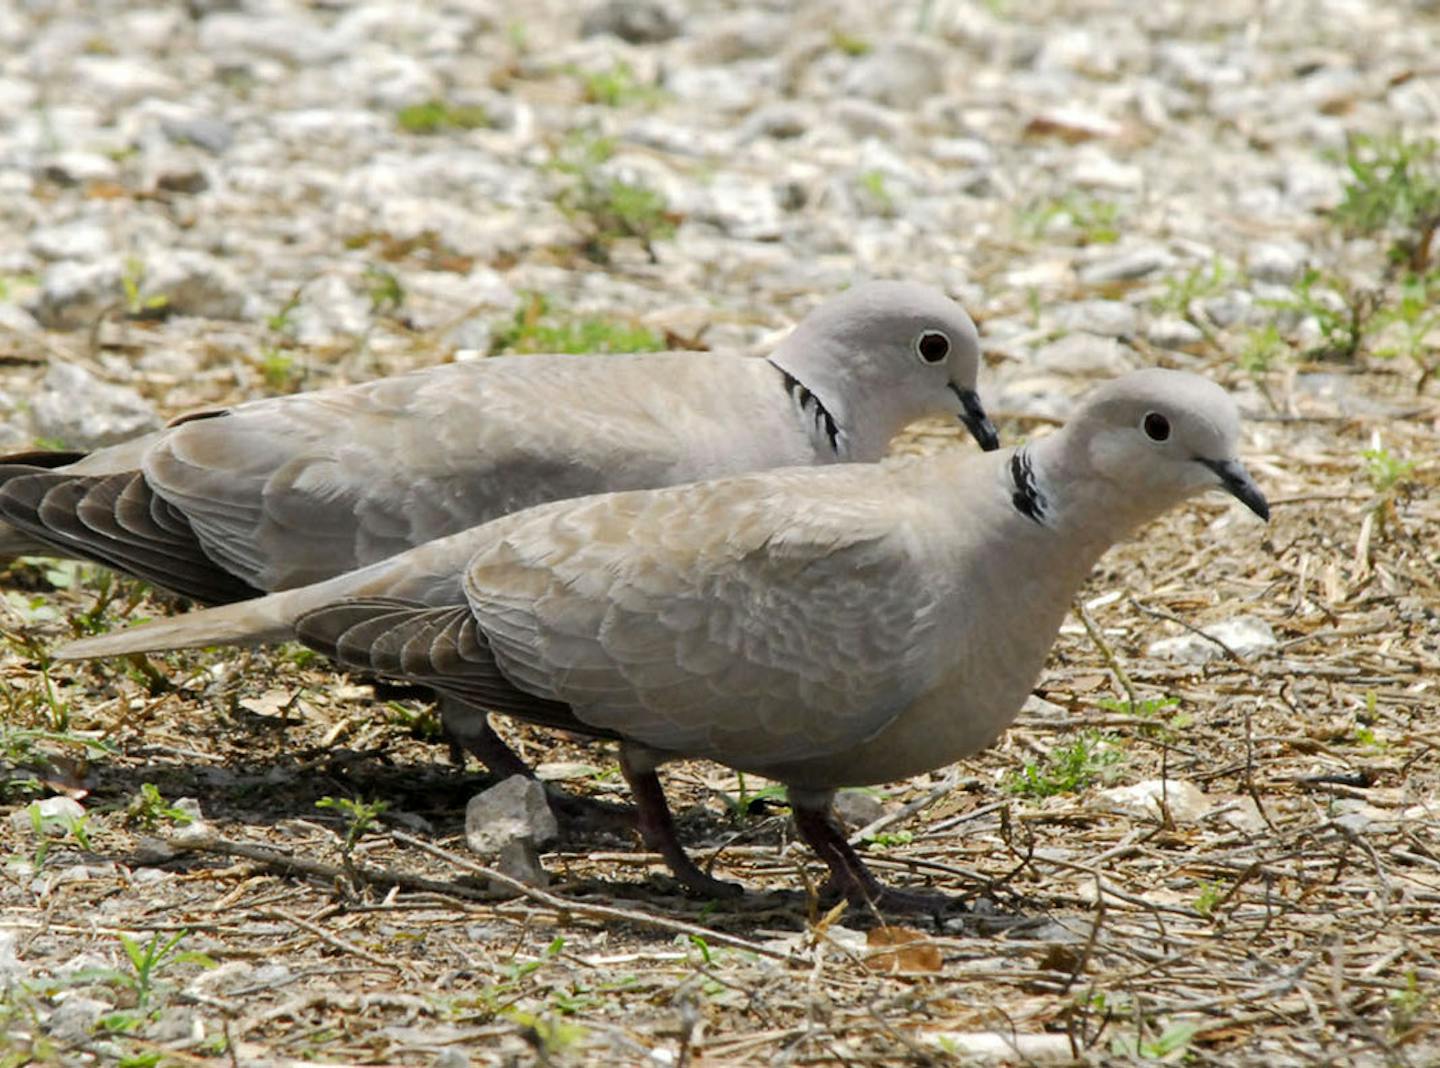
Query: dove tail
x=255, y=622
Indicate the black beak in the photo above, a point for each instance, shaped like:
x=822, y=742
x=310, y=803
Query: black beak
x=1239, y=484
x=972, y=414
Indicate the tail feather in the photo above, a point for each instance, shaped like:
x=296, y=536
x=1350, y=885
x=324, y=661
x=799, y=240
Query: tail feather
x=439, y=647
x=259, y=621
x=118, y=521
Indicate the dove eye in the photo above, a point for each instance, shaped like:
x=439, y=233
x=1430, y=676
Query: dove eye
x=932, y=346
x=1156, y=426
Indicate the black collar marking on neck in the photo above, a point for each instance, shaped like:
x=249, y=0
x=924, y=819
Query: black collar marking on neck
x=1027, y=498
x=806, y=400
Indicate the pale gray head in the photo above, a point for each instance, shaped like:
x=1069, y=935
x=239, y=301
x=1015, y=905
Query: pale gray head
x=883, y=354
x=1165, y=435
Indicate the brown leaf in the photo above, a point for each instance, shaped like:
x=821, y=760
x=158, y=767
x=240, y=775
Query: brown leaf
x=912, y=951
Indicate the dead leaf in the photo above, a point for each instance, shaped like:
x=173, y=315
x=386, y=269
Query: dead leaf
x=912, y=951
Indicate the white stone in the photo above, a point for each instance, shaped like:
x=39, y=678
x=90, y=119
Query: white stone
x=1245, y=635
x=900, y=74
x=1185, y=801
x=1108, y=318
x=79, y=410
x=54, y=813
x=1082, y=353
x=514, y=810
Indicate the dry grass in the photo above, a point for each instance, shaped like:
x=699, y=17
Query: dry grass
x=1290, y=918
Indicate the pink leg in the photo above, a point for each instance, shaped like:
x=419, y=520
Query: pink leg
x=849, y=877
x=657, y=827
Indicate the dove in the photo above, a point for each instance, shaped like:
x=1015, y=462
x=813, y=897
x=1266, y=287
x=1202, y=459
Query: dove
x=824, y=627
x=278, y=493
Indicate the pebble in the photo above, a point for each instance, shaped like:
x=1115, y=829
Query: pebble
x=74, y=294
x=74, y=1019
x=1245, y=635
x=1272, y=261
x=514, y=810
x=635, y=21
x=1185, y=801
x=1084, y=354
x=1125, y=265
x=1108, y=318
x=901, y=74
x=1171, y=332
x=79, y=240
x=78, y=410
x=857, y=809
x=55, y=815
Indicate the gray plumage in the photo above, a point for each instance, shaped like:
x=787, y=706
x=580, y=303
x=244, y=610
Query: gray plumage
x=288, y=491
x=825, y=628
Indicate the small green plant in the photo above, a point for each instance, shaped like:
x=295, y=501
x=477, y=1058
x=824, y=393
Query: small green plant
x=1068, y=768
x=1410, y=323
x=439, y=116
x=616, y=87
x=741, y=807
x=608, y=209
x=1091, y=220
x=1182, y=292
x=139, y=304
x=1394, y=188
x=849, y=44
x=386, y=292
x=890, y=839
x=1407, y=1006
x=146, y=961
x=1169, y=1047
x=536, y=328
x=360, y=817
x=1387, y=472
x=46, y=827
x=872, y=187
x=1262, y=350
x=280, y=370
x=148, y=809
x=282, y=320
x=1210, y=896
x=1343, y=313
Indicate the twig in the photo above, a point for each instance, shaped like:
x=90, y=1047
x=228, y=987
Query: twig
x=1111, y=660
x=585, y=908
x=331, y=940
x=1160, y=613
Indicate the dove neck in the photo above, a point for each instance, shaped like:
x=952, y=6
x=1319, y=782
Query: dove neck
x=1091, y=509
x=820, y=416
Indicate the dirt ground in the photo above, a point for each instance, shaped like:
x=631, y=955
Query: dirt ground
x=1287, y=915
x=1232, y=860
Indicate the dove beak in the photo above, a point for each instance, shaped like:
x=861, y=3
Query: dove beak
x=1238, y=483
x=972, y=414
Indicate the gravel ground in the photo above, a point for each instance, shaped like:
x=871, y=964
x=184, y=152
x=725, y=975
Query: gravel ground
x=1217, y=850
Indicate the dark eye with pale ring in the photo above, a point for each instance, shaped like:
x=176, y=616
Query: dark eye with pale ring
x=932, y=346
x=1156, y=426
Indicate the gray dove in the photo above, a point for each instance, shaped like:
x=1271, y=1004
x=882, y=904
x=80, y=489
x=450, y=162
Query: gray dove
x=825, y=628
x=279, y=493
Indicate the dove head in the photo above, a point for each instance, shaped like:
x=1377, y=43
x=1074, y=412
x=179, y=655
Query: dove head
x=1162, y=436
x=883, y=354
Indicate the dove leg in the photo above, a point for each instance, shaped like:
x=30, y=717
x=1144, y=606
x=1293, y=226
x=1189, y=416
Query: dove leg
x=849, y=876
x=469, y=728
x=657, y=826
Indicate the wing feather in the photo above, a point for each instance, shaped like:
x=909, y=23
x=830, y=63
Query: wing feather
x=753, y=621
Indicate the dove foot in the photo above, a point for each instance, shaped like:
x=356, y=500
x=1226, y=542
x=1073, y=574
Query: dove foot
x=657, y=827
x=849, y=878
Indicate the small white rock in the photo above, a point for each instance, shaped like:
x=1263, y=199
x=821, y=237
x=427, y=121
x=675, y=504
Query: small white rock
x=1246, y=635
x=514, y=810
x=56, y=814
x=1186, y=801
